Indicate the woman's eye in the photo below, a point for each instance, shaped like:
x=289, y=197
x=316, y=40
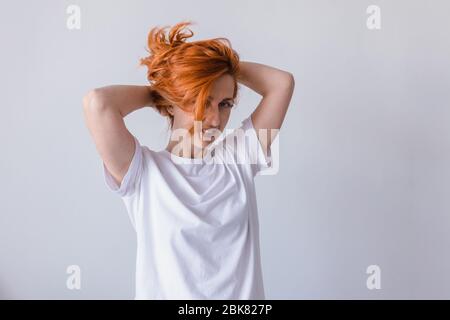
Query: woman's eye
x=222, y=104
x=228, y=105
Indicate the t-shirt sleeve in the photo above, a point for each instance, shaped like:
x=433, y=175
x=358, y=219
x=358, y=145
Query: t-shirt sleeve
x=131, y=180
x=249, y=150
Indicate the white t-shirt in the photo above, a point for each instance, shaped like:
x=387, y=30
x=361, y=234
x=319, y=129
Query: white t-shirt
x=196, y=223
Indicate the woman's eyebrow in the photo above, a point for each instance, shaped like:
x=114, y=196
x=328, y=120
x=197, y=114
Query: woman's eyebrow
x=222, y=100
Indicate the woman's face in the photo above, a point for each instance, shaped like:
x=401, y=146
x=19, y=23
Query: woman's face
x=216, y=115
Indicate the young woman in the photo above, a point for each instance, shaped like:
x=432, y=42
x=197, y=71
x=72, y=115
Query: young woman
x=193, y=204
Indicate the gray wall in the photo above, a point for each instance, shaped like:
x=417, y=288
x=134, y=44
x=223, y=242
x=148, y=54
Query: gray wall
x=364, y=149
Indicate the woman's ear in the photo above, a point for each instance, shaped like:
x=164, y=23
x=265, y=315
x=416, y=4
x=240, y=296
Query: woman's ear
x=170, y=110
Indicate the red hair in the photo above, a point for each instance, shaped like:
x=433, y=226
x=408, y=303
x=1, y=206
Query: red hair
x=181, y=72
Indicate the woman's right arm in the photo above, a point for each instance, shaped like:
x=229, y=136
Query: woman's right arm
x=104, y=109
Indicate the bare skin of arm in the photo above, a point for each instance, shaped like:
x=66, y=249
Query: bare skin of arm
x=276, y=88
x=104, y=110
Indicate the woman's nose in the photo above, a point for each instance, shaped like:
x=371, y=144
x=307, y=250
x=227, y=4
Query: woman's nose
x=213, y=116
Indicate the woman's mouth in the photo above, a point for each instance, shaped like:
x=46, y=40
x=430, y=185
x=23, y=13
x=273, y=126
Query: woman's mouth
x=209, y=133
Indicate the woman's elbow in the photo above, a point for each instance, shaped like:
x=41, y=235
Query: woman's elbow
x=290, y=79
x=93, y=99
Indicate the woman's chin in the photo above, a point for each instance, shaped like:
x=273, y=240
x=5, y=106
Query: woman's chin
x=207, y=142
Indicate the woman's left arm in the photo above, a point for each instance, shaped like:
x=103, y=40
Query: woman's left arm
x=276, y=88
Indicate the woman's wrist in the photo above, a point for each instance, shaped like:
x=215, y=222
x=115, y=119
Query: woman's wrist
x=261, y=78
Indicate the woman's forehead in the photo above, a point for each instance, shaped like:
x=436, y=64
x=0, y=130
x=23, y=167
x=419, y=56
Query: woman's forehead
x=223, y=86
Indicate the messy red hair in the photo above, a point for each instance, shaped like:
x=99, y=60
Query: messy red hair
x=181, y=72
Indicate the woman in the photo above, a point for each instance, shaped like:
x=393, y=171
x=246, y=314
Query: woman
x=193, y=204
